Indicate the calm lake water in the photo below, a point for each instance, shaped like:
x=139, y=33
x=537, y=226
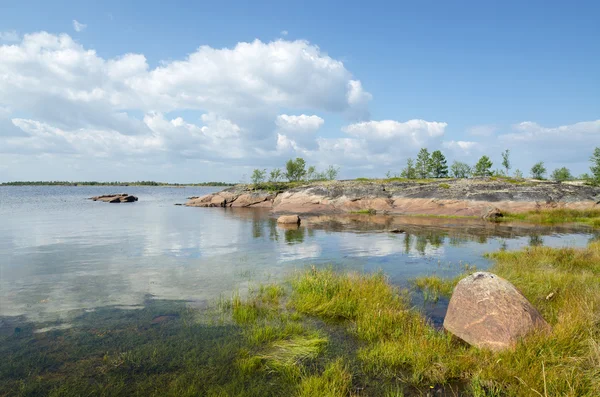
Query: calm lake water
x=61, y=254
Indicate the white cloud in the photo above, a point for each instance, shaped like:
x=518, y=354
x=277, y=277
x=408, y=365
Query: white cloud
x=299, y=130
x=86, y=104
x=461, y=147
x=416, y=131
x=9, y=36
x=401, y=137
x=301, y=124
x=284, y=32
x=529, y=131
x=78, y=26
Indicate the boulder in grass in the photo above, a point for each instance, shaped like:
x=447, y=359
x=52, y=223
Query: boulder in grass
x=115, y=198
x=289, y=219
x=487, y=311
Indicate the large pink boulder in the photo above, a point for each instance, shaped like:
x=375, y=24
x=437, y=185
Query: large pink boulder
x=487, y=311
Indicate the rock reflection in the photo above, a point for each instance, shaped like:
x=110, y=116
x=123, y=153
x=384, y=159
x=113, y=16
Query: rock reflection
x=294, y=234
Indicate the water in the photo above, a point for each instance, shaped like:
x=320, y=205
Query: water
x=61, y=255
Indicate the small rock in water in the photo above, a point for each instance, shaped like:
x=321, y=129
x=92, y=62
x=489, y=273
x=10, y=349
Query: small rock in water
x=487, y=311
x=289, y=219
x=397, y=231
x=115, y=198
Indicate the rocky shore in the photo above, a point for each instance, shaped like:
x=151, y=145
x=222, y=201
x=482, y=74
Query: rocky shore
x=455, y=197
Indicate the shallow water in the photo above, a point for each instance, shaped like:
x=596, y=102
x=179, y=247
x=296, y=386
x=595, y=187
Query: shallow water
x=61, y=255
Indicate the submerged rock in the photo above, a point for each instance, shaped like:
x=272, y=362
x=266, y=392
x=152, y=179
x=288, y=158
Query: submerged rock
x=289, y=219
x=115, y=198
x=487, y=311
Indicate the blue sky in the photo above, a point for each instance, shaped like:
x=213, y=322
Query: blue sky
x=474, y=77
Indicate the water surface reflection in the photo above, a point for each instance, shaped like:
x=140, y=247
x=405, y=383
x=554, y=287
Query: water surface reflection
x=61, y=254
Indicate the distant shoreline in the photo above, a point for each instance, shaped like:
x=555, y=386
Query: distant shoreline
x=93, y=183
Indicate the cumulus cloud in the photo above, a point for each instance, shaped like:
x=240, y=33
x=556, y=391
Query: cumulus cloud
x=78, y=26
x=566, y=144
x=73, y=97
x=461, y=147
x=300, y=130
x=416, y=132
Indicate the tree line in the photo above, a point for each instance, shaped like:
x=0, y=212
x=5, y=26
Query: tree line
x=295, y=171
x=434, y=165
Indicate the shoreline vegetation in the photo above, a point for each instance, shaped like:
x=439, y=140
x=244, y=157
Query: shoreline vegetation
x=585, y=217
x=323, y=332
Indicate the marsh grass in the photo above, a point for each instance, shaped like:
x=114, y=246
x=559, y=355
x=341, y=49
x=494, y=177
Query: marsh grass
x=590, y=217
x=433, y=287
x=323, y=333
x=564, y=284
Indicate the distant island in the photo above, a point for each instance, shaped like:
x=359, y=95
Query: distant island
x=95, y=183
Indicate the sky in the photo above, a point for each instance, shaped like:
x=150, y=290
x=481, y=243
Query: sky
x=189, y=91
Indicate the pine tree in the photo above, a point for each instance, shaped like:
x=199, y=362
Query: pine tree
x=595, y=167
x=538, y=170
x=439, y=168
x=409, y=172
x=423, y=164
x=483, y=167
x=506, y=160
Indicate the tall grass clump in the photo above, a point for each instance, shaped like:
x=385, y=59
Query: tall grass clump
x=333, y=382
x=400, y=342
x=590, y=217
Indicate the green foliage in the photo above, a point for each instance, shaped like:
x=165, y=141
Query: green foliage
x=331, y=173
x=595, y=167
x=295, y=169
x=538, y=171
x=423, y=164
x=335, y=381
x=506, y=161
x=444, y=186
x=276, y=175
x=439, y=169
x=369, y=211
x=589, y=217
x=410, y=172
x=258, y=176
x=483, y=167
x=433, y=287
x=518, y=174
x=460, y=170
x=561, y=175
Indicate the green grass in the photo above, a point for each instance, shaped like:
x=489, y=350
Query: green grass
x=433, y=287
x=590, y=217
x=444, y=186
x=334, y=381
x=323, y=333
